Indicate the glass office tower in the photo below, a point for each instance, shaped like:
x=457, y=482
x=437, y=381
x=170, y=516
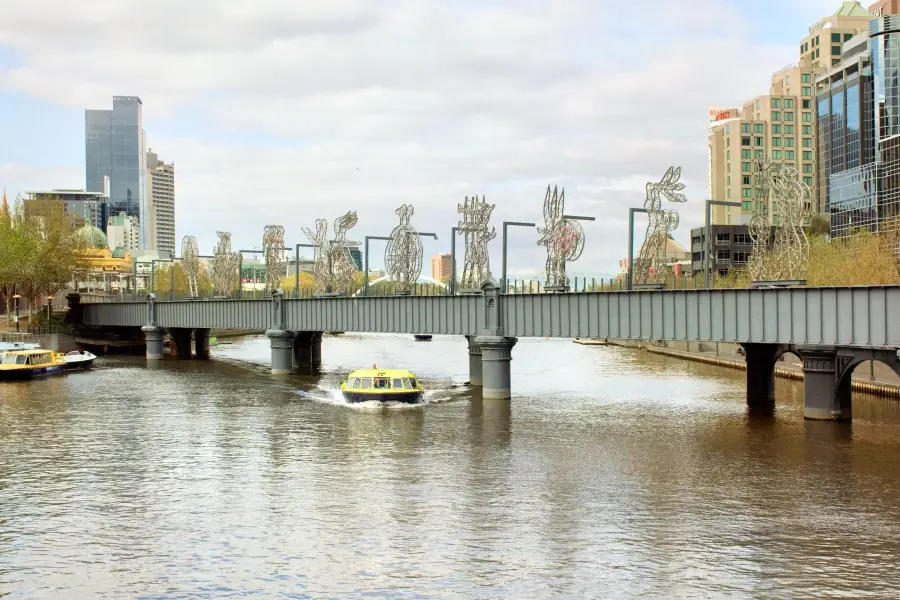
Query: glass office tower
x=115, y=147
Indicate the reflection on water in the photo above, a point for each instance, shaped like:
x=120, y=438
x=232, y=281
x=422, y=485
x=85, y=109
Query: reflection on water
x=613, y=473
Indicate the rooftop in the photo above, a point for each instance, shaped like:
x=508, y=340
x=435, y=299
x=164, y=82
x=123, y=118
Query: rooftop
x=852, y=9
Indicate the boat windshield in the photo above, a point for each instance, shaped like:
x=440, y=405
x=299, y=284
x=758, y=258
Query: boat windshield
x=382, y=383
x=412, y=382
x=13, y=359
x=366, y=383
x=406, y=383
x=397, y=383
x=354, y=383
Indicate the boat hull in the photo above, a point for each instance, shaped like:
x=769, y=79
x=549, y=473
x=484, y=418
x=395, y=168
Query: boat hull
x=20, y=374
x=405, y=397
x=81, y=365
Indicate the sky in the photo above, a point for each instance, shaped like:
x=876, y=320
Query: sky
x=282, y=112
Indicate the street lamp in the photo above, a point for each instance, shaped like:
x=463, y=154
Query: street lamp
x=49, y=309
x=707, y=265
x=366, y=258
x=629, y=277
x=16, y=298
x=453, y=231
x=503, y=261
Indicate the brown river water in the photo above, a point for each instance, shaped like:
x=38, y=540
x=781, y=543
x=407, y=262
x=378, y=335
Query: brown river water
x=612, y=473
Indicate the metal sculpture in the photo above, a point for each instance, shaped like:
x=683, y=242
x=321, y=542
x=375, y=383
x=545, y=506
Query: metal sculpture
x=789, y=257
x=273, y=250
x=333, y=267
x=477, y=266
x=225, y=265
x=403, y=255
x=190, y=263
x=564, y=239
x=661, y=223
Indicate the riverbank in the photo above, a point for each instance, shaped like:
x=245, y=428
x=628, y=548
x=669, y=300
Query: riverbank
x=878, y=379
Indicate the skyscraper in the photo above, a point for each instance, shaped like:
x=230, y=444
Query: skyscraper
x=161, y=200
x=115, y=148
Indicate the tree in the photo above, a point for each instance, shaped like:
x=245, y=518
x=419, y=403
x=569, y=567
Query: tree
x=162, y=277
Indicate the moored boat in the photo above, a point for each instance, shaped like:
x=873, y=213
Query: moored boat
x=17, y=341
x=28, y=364
x=79, y=359
x=382, y=385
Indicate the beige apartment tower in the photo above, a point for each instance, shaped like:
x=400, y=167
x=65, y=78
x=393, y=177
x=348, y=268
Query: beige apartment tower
x=441, y=267
x=161, y=199
x=781, y=124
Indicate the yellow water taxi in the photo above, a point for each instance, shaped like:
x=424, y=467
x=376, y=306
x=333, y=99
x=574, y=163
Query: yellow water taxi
x=382, y=385
x=27, y=364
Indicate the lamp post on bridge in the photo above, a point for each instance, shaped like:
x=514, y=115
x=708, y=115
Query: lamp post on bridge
x=453, y=231
x=503, y=261
x=366, y=257
x=707, y=265
x=629, y=276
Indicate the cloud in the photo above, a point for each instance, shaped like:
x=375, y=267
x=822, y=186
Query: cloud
x=429, y=100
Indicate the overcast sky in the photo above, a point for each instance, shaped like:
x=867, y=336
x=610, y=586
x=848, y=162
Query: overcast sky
x=282, y=111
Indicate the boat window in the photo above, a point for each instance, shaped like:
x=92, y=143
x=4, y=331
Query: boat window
x=381, y=383
x=354, y=384
x=397, y=384
x=9, y=359
x=20, y=360
x=367, y=383
x=406, y=383
x=412, y=381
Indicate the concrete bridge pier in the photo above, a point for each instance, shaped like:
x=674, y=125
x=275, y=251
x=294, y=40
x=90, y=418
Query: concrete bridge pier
x=154, y=339
x=474, y=362
x=307, y=347
x=281, y=343
x=201, y=343
x=182, y=339
x=316, y=349
x=760, y=360
x=496, y=355
x=826, y=396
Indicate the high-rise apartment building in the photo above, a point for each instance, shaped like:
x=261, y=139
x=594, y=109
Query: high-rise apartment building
x=161, y=200
x=441, y=267
x=123, y=231
x=859, y=129
x=114, y=148
x=780, y=125
x=83, y=208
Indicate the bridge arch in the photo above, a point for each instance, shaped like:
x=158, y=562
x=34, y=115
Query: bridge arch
x=422, y=278
x=848, y=364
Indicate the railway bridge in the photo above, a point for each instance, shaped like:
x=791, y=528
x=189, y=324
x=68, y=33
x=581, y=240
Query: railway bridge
x=831, y=329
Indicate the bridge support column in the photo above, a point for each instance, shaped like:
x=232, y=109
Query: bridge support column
x=760, y=360
x=182, y=339
x=281, y=343
x=496, y=354
x=201, y=343
x=315, y=348
x=823, y=399
x=474, y=362
x=303, y=350
x=154, y=339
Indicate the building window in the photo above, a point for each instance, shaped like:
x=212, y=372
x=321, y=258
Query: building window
x=807, y=104
x=745, y=127
x=776, y=115
x=835, y=62
x=776, y=128
x=789, y=155
x=758, y=128
x=758, y=153
x=759, y=141
x=727, y=130
x=745, y=140
x=746, y=192
x=808, y=181
x=835, y=38
x=789, y=115
x=776, y=102
x=745, y=153
x=807, y=130
x=744, y=239
x=729, y=180
x=807, y=142
x=788, y=142
x=723, y=255
x=746, y=179
x=807, y=168
x=836, y=50
x=807, y=155
x=723, y=238
x=789, y=129
x=776, y=142
x=745, y=167
x=807, y=117
x=805, y=78
x=848, y=36
x=746, y=205
x=776, y=154
x=816, y=55
x=757, y=105
x=789, y=102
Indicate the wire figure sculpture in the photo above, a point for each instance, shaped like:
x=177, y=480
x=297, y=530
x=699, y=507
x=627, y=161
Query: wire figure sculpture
x=403, y=255
x=563, y=238
x=477, y=265
x=333, y=267
x=273, y=250
x=225, y=265
x=661, y=223
x=759, y=227
x=190, y=263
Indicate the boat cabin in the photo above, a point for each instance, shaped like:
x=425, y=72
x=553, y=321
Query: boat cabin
x=29, y=357
x=382, y=380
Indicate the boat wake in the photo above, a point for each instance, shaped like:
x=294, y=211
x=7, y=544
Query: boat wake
x=335, y=397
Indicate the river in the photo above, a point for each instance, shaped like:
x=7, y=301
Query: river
x=611, y=474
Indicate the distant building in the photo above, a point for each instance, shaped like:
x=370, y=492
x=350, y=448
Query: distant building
x=114, y=147
x=357, y=258
x=441, y=267
x=124, y=231
x=731, y=248
x=85, y=208
x=161, y=202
